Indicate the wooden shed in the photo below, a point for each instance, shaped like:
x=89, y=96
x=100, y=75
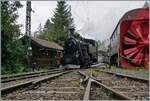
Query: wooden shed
x=44, y=52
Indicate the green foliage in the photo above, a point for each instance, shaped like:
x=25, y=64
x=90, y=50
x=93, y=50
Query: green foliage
x=135, y=71
x=99, y=43
x=47, y=25
x=12, y=50
x=102, y=45
x=19, y=68
x=15, y=58
x=56, y=30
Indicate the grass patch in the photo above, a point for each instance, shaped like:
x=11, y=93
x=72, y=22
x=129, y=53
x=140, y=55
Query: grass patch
x=20, y=69
x=137, y=71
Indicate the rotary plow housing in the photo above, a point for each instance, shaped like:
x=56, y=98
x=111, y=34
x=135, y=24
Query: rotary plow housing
x=134, y=38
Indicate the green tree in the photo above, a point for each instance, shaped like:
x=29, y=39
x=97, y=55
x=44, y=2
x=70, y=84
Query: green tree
x=61, y=21
x=45, y=34
x=12, y=50
x=47, y=25
x=103, y=45
x=40, y=28
x=57, y=29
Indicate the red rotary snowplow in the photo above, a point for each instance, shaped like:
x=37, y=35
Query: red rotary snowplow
x=134, y=39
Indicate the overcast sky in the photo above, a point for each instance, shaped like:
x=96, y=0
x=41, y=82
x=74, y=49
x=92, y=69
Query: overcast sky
x=93, y=19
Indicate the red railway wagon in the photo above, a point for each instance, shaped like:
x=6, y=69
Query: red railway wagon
x=132, y=45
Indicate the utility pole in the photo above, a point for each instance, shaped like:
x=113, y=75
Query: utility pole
x=146, y=4
x=28, y=31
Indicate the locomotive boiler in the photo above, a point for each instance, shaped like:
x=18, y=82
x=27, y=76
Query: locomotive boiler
x=129, y=43
x=79, y=51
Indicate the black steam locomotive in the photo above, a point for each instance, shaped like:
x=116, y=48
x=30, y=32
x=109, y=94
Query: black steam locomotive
x=79, y=51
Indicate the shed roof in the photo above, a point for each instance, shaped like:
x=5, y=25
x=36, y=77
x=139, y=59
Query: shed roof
x=47, y=44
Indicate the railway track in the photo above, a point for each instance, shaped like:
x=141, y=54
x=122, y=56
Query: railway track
x=8, y=78
x=84, y=84
x=66, y=86
x=98, y=91
x=10, y=83
x=122, y=86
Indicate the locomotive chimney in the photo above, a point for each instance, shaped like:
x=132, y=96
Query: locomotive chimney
x=71, y=32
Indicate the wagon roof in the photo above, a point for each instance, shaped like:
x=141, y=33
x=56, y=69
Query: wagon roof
x=47, y=44
x=136, y=14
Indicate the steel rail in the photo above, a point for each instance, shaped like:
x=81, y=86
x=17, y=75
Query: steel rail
x=33, y=81
x=127, y=76
x=117, y=94
x=29, y=73
x=87, y=91
x=94, y=80
x=29, y=76
x=102, y=65
x=48, y=77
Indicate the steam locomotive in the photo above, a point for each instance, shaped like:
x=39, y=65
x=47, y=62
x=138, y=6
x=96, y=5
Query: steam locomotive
x=79, y=52
x=129, y=43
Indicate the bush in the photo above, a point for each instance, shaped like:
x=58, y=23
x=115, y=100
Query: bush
x=6, y=70
x=17, y=68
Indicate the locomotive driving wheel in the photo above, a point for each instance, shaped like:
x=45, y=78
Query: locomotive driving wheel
x=136, y=43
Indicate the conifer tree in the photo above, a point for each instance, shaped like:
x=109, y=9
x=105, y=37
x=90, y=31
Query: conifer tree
x=56, y=30
x=12, y=50
x=45, y=33
x=47, y=25
x=40, y=28
x=61, y=21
